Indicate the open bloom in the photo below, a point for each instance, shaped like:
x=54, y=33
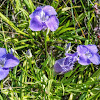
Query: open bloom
x=65, y=64
x=44, y=17
x=7, y=61
x=88, y=54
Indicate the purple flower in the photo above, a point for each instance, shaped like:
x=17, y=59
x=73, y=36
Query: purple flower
x=44, y=17
x=6, y=61
x=73, y=1
x=96, y=28
x=88, y=54
x=65, y=64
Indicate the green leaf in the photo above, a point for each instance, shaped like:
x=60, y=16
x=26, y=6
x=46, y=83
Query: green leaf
x=68, y=8
x=12, y=25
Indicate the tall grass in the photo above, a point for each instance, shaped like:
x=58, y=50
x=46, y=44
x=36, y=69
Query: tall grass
x=34, y=78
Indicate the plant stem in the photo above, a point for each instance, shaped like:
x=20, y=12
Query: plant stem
x=46, y=40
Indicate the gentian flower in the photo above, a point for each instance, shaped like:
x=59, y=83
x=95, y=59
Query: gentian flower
x=88, y=54
x=7, y=61
x=65, y=64
x=44, y=17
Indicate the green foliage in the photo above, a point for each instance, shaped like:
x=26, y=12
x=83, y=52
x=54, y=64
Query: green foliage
x=34, y=78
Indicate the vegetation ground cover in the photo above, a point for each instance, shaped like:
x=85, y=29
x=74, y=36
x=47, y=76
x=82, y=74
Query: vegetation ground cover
x=34, y=77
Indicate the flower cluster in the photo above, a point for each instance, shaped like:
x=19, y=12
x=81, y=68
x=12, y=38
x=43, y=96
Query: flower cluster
x=42, y=18
x=7, y=61
x=85, y=55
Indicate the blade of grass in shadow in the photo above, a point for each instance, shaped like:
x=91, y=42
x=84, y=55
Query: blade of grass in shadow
x=12, y=25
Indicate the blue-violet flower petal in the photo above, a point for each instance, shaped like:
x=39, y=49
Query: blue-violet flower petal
x=65, y=64
x=88, y=54
x=44, y=17
x=6, y=61
x=3, y=73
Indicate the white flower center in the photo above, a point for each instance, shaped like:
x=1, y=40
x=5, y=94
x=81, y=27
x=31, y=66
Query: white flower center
x=88, y=54
x=43, y=17
x=2, y=61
